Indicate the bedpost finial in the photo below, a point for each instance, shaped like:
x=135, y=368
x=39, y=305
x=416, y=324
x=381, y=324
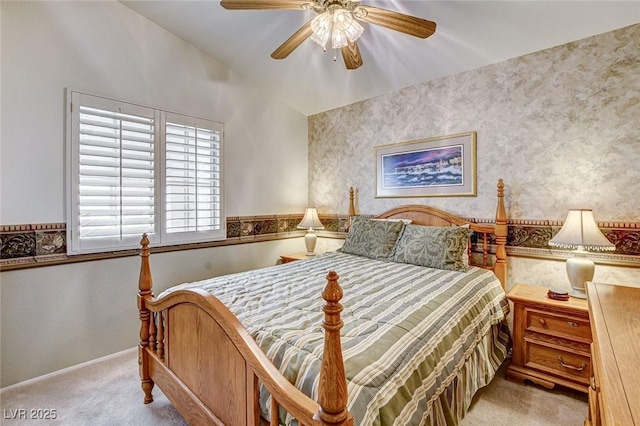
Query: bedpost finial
x=352, y=207
x=144, y=243
x=145, y=282
x=501, y=214
x=332, y=292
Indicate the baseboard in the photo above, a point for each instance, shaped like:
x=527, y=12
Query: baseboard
x=68, y=369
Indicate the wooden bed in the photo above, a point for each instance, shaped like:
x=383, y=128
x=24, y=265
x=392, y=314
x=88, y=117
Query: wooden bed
x=210, y=367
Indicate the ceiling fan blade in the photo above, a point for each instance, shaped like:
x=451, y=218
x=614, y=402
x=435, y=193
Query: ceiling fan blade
x=351, y=56
x=397, y=21
x=264, y=4
x=293, y=42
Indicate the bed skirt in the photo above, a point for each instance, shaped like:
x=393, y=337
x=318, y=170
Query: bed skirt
x=448, y=407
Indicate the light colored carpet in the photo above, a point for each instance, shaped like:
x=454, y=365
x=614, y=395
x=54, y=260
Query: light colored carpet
x=504, y=403
x=108, y=393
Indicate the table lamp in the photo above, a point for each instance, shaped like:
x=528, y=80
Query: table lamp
x=580, y=231
x=310, y=222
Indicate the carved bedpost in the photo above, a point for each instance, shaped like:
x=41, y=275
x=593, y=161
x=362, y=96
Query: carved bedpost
x=332, y=389
x=352, y=208
x=501, y=230
x=145, y=285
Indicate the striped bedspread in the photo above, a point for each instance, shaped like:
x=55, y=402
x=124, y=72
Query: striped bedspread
x=409, y=332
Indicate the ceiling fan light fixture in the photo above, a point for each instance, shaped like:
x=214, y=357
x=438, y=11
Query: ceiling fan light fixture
x=338, y=20
x=343, y=21
x=338, y=39
x=321, y=26
x=337, y=23
x=354, y=31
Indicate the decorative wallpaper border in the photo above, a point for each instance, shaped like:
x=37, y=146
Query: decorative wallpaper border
x=24, y=246
x=32, y=243
x=530, y=238
x=537, y=233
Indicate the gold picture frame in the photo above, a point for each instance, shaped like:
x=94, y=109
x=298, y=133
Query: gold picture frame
x=443, y=166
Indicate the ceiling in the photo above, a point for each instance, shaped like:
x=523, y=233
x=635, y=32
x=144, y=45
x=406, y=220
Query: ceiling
x=469, y=34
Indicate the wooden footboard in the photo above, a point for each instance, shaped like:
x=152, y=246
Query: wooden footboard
x=210, y=368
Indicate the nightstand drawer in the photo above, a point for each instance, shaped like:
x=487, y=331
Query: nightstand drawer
x=561, y=325
x=565, y=364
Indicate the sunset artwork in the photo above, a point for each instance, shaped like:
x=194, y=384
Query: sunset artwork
x=424, y=168
x=442, y=166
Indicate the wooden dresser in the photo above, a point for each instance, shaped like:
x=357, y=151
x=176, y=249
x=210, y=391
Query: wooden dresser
x=551, y=339
x=614, y=394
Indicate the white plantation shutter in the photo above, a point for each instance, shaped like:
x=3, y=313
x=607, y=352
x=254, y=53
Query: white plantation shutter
x=193, y=186
x=128, y=177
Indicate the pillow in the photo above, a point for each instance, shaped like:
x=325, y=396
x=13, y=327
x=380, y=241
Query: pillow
x=374, y=239
x=441, y=247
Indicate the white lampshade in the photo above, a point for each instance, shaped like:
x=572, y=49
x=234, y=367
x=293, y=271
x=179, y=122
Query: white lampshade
x=580, y=231
x=310, y=222
x=311, y=219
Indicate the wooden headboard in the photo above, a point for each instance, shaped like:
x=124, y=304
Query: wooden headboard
x=430, y=216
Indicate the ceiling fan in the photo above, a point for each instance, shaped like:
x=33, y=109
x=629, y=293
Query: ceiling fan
x=336, y=24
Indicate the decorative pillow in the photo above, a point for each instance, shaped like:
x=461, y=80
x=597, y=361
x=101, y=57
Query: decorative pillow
x=374, y=239
x=441, y=247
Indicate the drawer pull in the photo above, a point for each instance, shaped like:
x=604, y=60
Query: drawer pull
x=573, y=324
x=542, y=321
x=571, y=367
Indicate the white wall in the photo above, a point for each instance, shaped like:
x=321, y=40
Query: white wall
x=58, y=316
x=107, y=49
x=54, y=317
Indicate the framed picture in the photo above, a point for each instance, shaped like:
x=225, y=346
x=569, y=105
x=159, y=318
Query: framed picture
x=435, y=167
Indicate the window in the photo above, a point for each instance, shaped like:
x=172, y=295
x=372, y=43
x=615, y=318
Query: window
x=134, y=170
x=193, y=178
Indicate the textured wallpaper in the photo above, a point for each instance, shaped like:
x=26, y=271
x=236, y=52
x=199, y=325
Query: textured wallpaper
x=560, y=126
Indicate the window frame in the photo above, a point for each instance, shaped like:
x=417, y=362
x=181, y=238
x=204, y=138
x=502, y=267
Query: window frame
x=75, y=99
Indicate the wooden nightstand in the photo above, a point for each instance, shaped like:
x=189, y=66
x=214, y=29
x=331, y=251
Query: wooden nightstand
x=551, y=339
x=286, y=258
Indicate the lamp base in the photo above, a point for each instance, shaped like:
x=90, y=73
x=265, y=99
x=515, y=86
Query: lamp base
x=578, y=293
x=580, y=270
x=310, y=239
